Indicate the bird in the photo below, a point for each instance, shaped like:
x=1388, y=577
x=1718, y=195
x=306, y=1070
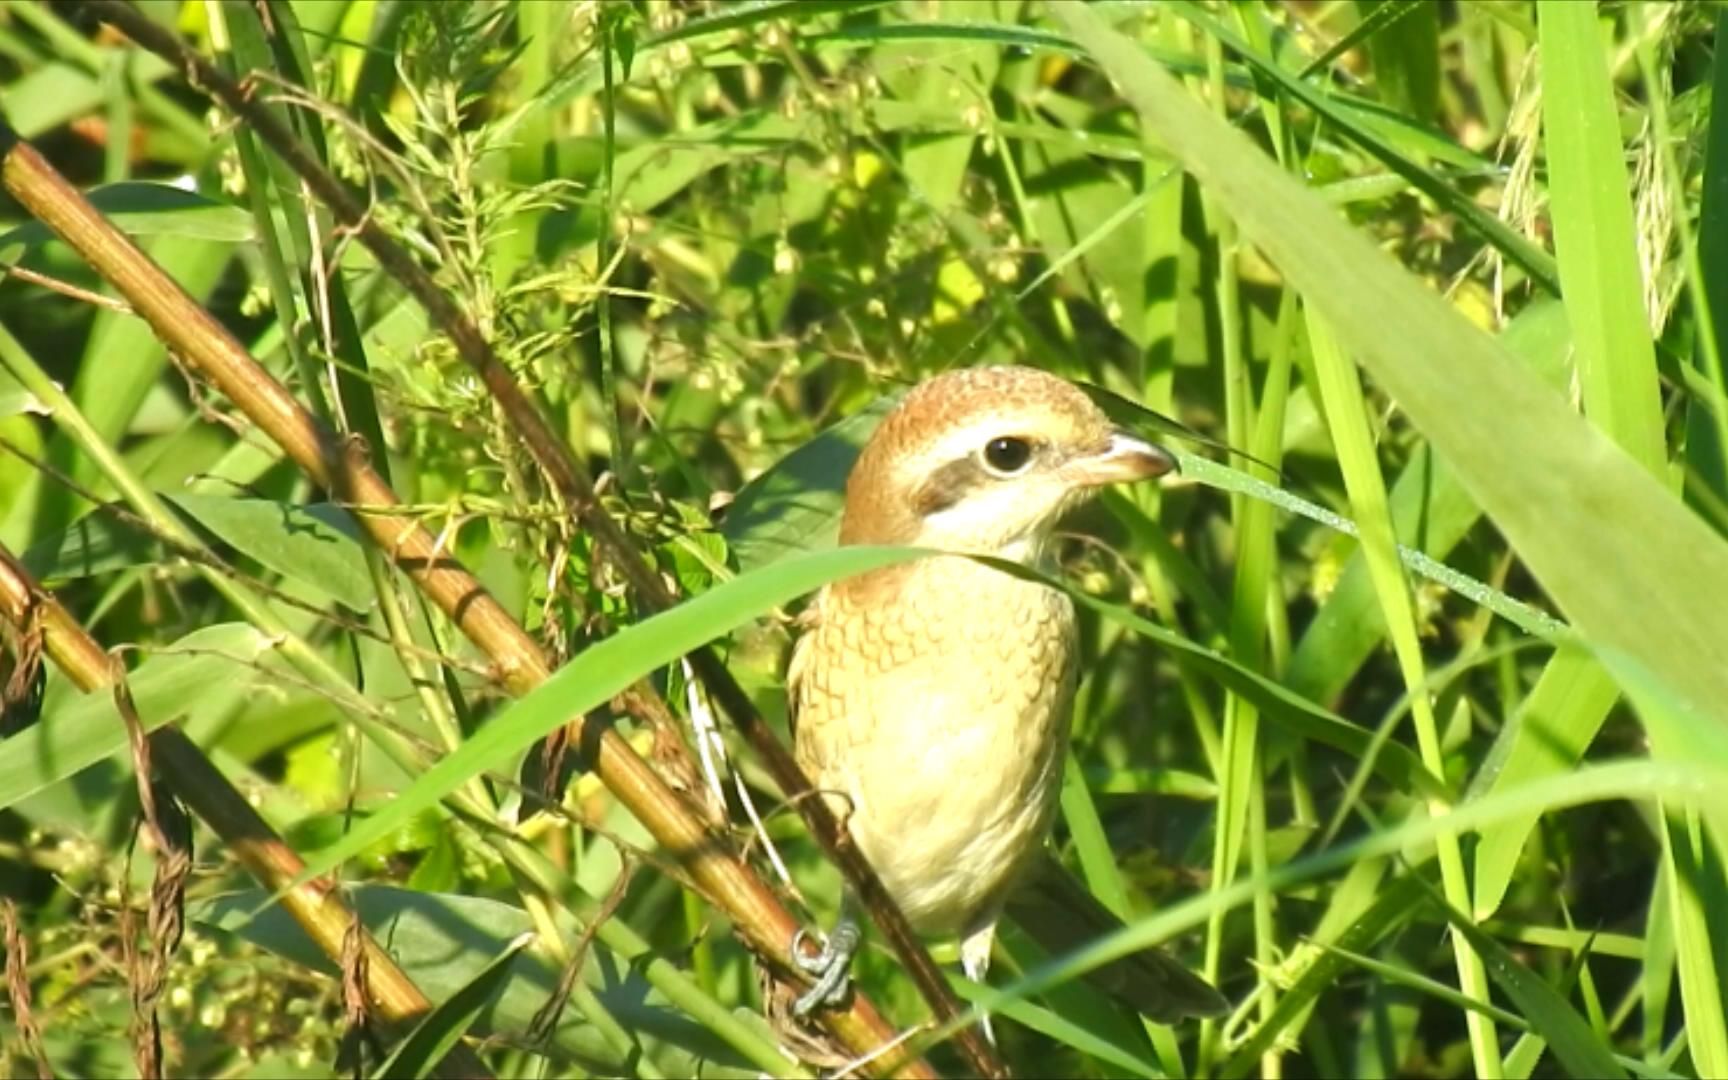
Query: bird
x=930, y=700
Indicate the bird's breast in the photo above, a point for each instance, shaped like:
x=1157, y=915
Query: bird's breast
x=937, y=706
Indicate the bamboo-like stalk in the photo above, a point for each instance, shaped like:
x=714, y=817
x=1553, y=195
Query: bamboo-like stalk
x=575, y=489
x=198, y=339
x=271, y=861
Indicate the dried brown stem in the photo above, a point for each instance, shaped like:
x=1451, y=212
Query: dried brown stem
x=272, y=863
x=18, y=989
x=208, y=348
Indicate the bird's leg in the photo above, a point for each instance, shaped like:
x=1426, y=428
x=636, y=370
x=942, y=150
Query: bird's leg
x=830, y=966
x=975, y=961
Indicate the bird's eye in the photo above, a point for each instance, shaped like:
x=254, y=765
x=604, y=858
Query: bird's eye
x=1006, y=455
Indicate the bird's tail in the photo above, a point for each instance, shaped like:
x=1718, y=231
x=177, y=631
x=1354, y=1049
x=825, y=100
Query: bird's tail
x=1061, y=915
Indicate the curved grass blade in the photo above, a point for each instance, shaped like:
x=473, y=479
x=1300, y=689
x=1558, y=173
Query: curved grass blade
x=743, y=16
x=602, y=670
x=1289, y=710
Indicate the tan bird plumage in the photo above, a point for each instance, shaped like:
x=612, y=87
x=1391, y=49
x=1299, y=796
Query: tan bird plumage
x=931, y=700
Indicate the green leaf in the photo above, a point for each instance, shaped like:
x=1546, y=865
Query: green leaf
x=1357, y=123
x=444, y=1026
x=1594, y=235
x=1547, y=735
x=85, y=728
x=1375, y=17
x=1363, y=911
x=1405, y=56
x=1706, y=429
x=1567, y=1033
x=1694, y=852
x=742, y=16
x=1294, y=713
x=1065, y=1031
x=142, y=208
x=795, y=506
x=444, y=943
x=1698, y=900
x=316, y=545
x=1432, y=513
x=935, y=167
x=95, y=544
x=1695, y=784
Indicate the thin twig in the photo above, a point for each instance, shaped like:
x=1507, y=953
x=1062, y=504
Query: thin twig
x=66, y=288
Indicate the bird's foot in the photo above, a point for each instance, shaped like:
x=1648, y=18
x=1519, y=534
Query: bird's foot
x=829, y=966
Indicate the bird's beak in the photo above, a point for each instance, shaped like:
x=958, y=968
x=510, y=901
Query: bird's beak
x=1124, y=459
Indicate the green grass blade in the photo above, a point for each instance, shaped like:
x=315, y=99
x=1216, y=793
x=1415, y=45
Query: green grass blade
x=1297, y=715
x=1707, y=429
x=1594, y=235
x=1375, y=18
x=1697, y=906
x=601, y=671
x=1405, y=56
x=1599, y=270
x=1225, y=478
x=443, y=941
x=1064, y=1030
x=1394, y=905
x=445, y=1025
x=1695, y=784
x=1567, y=1033
x=753, y=13
x=1548, y=735
x=1533, y=260
x=1431, y=512
x=1560, y=492
x=88, y=727
x=1347, y=418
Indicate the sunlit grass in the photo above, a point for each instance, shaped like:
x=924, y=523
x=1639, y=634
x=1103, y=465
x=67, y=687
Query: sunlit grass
x=1405, y=728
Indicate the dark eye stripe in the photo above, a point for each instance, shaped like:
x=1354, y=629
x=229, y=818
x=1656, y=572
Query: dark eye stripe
x=948, y=485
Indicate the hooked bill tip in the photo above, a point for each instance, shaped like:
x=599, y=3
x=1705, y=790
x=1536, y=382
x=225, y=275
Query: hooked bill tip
x=1125, y=459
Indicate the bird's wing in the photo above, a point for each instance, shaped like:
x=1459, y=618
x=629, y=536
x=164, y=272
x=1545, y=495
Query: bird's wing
x=807, y=622
x=1061, y=915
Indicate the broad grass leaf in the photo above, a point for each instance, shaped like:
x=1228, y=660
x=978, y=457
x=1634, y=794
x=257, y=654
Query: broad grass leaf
x=88, y=728
x=443, y=942
x=145, y=208
x=795, y=506
x=316, y=545
x=455, y=1013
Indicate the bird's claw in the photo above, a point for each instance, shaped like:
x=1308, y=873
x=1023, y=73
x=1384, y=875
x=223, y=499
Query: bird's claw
x=829, y=966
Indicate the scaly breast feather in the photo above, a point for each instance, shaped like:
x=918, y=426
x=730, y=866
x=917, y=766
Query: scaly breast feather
x=939, y=711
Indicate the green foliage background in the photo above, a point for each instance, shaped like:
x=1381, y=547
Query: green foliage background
x=1448, y=808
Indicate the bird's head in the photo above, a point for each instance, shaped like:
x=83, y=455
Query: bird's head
x=986, y=460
